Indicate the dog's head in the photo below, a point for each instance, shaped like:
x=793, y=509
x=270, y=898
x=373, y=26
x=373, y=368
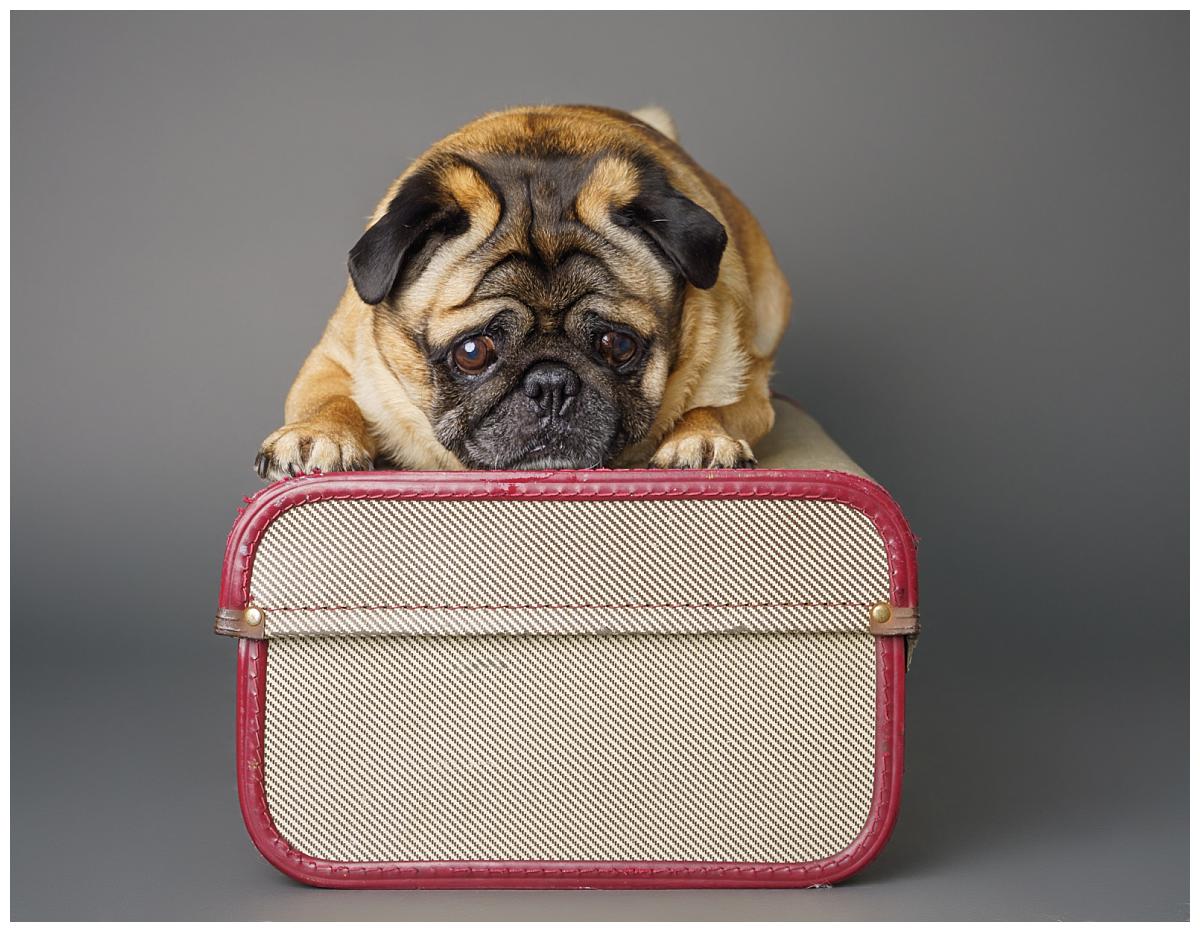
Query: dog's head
x=528, y=279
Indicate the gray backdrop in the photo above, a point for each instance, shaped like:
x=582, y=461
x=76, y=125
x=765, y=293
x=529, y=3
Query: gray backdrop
x=985, y=222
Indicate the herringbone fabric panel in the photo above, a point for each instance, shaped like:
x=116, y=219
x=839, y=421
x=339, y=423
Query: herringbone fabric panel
x=543, y=567
x=742, y=747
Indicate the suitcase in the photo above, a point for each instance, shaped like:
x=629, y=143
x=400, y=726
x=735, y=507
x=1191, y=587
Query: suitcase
x=601, y=678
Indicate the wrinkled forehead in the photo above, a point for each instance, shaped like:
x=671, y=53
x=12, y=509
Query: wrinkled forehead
x=549, y=286
x=544, y=236
x=544, y=296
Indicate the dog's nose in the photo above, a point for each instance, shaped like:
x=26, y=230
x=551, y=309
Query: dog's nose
x=552, y=386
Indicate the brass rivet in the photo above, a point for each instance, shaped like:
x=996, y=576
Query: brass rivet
x=253, y=617
x=881, y=613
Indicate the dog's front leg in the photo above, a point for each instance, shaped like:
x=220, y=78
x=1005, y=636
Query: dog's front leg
x=720, y=438
x=701, y=441
x=325, y=429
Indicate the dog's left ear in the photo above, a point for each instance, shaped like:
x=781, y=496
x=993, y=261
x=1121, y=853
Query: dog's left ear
x=419, y=208
x=692, y=238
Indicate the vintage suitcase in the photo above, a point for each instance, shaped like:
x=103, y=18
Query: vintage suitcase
x=609, y=678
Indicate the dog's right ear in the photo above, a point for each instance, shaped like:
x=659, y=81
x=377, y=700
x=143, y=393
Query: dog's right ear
x=419, y=208
x=691, y=238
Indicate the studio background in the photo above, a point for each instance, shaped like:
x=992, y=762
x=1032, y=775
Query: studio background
x=984, y=218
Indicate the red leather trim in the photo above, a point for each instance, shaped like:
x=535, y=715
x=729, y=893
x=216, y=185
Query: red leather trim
x=889, y=768
x=861, y=494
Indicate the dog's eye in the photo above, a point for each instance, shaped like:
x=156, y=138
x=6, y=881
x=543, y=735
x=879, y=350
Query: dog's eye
x=474, y=354
x=617, y=347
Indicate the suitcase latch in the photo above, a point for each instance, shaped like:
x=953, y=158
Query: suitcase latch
x=249, y=622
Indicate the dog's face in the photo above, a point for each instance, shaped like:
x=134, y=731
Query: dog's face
x=529, y=297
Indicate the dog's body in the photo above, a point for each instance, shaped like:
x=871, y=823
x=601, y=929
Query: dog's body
x=548, y=287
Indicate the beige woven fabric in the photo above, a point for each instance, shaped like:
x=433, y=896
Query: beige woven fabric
x=753, y=747
x=799, y=442
x=473, y=567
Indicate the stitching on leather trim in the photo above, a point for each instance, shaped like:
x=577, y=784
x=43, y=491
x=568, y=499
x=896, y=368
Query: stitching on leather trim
x=500, y=608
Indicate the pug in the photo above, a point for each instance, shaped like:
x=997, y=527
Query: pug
x=551, y=287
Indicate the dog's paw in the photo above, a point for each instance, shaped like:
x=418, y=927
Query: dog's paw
x=703, y=450
x=307, y=446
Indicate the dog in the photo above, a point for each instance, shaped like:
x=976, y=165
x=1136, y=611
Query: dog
x=549, y=287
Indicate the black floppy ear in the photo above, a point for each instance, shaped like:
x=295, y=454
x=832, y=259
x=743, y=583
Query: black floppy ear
x=418, y=208
x=692, y=238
